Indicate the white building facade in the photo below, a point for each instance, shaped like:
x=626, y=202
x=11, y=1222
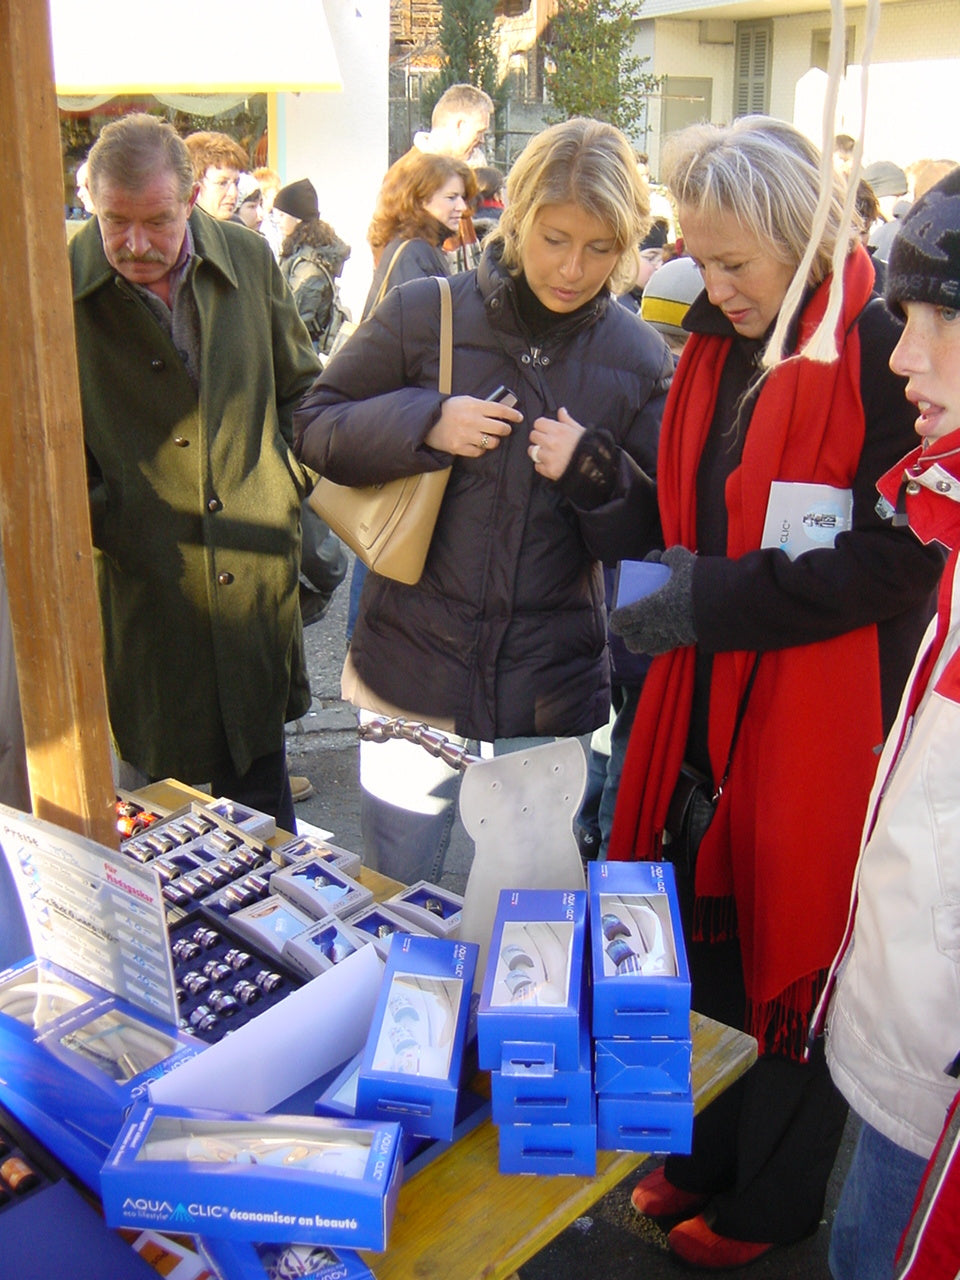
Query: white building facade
x=721, y=60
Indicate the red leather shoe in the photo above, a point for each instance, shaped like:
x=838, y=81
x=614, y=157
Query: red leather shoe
x=695, y=1243
x=658, y=1198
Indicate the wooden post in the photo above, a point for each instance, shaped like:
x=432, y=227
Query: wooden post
x=44, y=516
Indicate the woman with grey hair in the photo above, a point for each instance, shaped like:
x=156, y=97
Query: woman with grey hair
x=504, y=636
x=785, y=633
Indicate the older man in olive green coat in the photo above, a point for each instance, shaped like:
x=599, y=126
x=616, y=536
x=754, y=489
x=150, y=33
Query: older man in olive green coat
x=192, y=358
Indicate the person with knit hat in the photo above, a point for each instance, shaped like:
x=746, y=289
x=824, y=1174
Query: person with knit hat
x=298, y=200
x=311, y=258
x=248, y=210
x=893, y=1023
x=650, y=257
x=667, y=298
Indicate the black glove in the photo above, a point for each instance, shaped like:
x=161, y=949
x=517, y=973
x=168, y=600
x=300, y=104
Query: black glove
x=591, y=475
x=662, y=620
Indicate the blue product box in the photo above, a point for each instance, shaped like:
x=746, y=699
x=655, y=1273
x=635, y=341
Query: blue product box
x=560, y=1097
x=316, y=886
x=641, y=982
x=533, y=988
x=270, y=924
x=549, y=1149
x=643, y=1066
x=646, y=1122
x=241, y=816
x=300, y=846
x=54, y=1231
x=239, y=1260
x=322, y=946
x=339, y=1098
x=381, y=923
x=82, y=1157
x=413, y=1057
x=78, y=1055
x=34, y=993
x=435, y=910
x=242, y=1176
x=106, y=1057
x=528, y=1088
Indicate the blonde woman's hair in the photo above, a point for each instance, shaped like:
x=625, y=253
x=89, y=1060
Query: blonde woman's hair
x=765, y=173
x=583, y=162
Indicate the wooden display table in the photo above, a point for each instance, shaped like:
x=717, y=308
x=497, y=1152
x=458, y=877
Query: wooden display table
x=459, y=1218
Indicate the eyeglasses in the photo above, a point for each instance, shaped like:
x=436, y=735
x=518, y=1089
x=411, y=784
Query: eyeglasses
x=221, y=184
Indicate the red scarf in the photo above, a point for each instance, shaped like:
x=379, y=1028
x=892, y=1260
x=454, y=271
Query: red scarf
x=777, y=863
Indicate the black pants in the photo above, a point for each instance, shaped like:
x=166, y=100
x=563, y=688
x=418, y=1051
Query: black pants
x=764, y=1149
x=265, y=786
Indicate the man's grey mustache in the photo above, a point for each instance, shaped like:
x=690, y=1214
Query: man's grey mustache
x=152, y=255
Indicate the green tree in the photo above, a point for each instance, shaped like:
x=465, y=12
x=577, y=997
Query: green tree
x=596, y=74
x=469, y=47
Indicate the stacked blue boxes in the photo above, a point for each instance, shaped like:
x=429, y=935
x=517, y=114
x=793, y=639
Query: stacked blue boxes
x=533, y=1033
x=641, y=1009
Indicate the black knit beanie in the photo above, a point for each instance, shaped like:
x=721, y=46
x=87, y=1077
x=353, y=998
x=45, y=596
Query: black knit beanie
x=924, y=261
x=299, y=199
x=655, y=238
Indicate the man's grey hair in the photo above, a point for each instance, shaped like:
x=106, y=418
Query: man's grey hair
x=133, y=150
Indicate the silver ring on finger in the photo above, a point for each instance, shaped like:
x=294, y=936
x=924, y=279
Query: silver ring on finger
x=484, y=441
x=535, y=454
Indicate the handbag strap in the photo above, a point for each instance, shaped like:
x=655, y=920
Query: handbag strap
x=385, y=282
x=445, y=378
x=738, y=724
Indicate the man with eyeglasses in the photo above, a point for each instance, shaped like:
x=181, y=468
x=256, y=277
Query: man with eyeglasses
x=218, y=162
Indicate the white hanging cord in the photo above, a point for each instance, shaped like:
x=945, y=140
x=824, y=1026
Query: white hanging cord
x=822, y=346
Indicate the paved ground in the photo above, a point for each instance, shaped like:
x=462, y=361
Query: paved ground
x=612, y=1243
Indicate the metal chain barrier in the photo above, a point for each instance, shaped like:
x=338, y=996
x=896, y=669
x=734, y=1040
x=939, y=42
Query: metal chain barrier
x=382, y=728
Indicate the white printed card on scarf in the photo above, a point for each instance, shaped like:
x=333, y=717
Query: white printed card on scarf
x=805, y=517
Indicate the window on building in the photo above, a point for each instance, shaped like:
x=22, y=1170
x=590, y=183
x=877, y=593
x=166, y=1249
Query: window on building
x=754, y=53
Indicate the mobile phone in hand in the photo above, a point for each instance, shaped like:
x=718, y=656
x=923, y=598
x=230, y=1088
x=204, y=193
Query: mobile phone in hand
x=503, y=395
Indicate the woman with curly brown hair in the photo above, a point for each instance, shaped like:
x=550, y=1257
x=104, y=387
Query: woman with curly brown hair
x=418, y=208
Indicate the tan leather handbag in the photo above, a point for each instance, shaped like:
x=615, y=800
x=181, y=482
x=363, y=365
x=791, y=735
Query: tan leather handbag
x=390, y=525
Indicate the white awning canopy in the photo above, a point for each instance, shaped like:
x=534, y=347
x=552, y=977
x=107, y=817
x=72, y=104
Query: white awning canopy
x=219, y=46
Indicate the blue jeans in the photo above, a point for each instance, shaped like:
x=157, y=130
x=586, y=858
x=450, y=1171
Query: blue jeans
x=874, y=1209
x=408, y=805
x=619, y=737
x=357, y=579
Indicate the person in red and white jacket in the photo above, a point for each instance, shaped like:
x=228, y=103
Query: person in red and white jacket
x=893, y=1022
